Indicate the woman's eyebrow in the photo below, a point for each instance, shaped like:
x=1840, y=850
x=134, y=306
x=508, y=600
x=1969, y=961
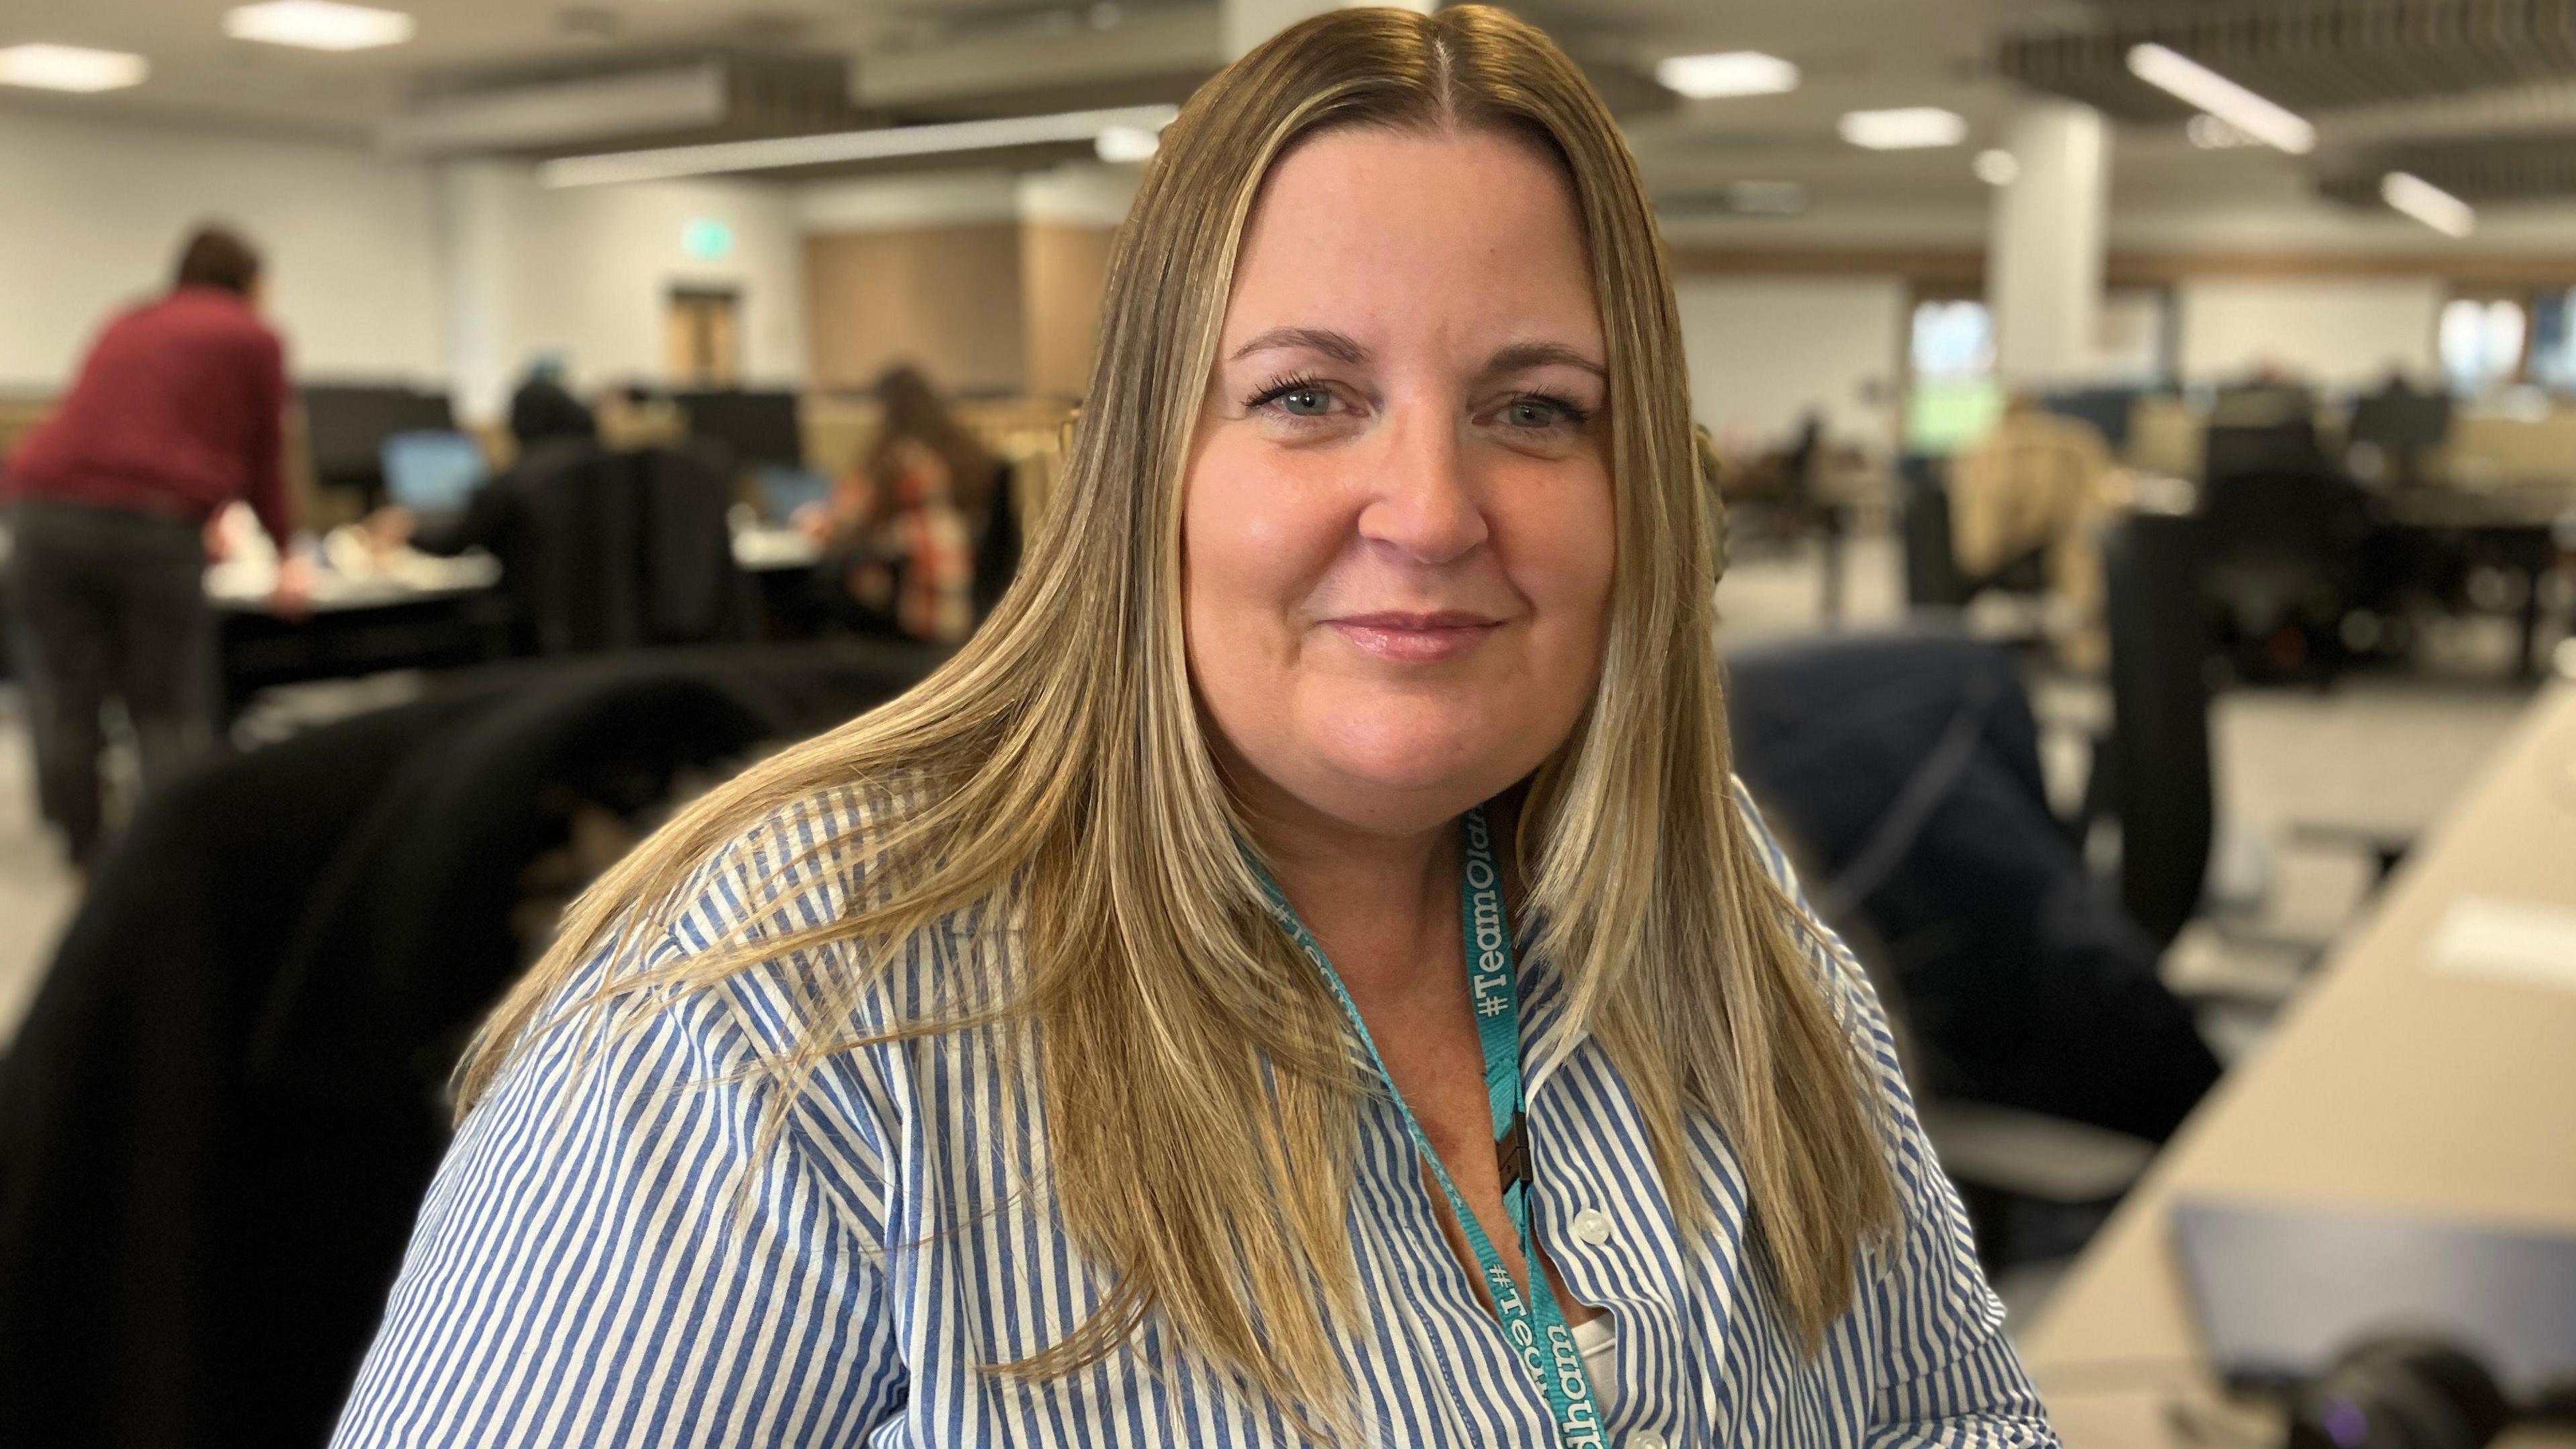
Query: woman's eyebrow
x=1335, y=345
x=1523, y=356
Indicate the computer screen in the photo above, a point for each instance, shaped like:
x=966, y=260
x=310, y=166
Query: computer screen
x=784, y=490
x=432, y=472
x=2402, y=421
x=2106, y=408
x=756, y=428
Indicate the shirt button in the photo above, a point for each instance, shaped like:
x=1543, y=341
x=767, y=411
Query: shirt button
x=1592, y=1225
x=1645, y=1439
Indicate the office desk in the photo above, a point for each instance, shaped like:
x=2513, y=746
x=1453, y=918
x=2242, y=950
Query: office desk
x=427, y=613
x=2388, y=1085
x=422, y=612
x=2520, y=529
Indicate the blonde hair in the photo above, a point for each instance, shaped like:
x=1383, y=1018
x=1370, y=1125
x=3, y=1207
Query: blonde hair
x=1180, y=1027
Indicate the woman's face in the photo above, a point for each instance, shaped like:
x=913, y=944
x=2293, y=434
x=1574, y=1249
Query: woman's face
x=1397, y=528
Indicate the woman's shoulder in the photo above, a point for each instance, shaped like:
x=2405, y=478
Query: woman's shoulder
x=763, y=921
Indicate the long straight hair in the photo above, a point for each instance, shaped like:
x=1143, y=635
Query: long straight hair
x=1176, y=1026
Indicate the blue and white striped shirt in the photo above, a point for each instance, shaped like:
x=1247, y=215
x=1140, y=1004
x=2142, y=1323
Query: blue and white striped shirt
x=605, y=1257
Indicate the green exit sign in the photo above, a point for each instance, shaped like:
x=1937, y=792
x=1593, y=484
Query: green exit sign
x=707, y=240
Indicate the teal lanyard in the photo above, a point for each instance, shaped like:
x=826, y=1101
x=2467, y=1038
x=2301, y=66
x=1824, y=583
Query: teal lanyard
x=1533, y=1323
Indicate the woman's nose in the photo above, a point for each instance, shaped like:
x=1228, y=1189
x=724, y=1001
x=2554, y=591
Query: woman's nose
x=1421, y=501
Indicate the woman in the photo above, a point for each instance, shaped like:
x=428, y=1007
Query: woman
x=899, y=533
x=1078, y=1049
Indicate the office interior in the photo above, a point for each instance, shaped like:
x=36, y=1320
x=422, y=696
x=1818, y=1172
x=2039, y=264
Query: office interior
x=2147, y=431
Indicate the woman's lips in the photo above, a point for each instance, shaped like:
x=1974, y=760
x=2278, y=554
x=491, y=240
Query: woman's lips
x=1415, y=638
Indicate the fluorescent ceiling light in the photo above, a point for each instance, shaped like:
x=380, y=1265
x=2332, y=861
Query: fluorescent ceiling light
x=1125, y=145
x=1906, y=129
x=70, y=68
x=2212, y=134
x=318, y=25
x=882, y=143
x=1729, y=73
x=2197, y=84
x=1997, y=167
x=2428, y=203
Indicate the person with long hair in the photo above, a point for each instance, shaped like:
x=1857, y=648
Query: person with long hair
x=898, y=534
x=1303, y=972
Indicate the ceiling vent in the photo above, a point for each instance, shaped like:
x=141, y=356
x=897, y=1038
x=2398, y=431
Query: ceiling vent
x=676, y=102
x=2308, y=55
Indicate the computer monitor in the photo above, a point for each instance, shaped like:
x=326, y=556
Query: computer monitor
x=432, y=472
x=756, y=428
x=2241, y=450
x=346, y=428
x=783, y=490
x=2401, y=422
x=2106, y=408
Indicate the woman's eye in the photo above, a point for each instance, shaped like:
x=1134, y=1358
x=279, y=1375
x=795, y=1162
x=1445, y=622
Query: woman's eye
x=1540, y=412
x=1305, y=402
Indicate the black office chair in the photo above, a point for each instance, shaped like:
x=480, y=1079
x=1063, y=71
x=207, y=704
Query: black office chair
x=997, y=548
x=620, y=551
x=1933, y=578
x=2152, y=772
x=229, y=1093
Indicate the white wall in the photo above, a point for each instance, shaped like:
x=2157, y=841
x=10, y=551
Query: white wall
x=1763, y=350
x=92, y=213
x=586, y=273
x=2348, y=331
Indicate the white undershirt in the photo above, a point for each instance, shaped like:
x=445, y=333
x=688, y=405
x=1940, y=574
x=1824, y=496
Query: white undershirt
x=1598, y=1342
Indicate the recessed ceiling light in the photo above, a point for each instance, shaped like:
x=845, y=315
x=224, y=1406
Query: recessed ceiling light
x=2179, y=75
x=70, y=68
x=1728, y=73
x=1907, y=128
x=318, y=25
x=1997, y=167
x=2428, y=203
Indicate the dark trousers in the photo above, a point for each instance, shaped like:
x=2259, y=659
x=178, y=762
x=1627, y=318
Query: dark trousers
x=110, y=604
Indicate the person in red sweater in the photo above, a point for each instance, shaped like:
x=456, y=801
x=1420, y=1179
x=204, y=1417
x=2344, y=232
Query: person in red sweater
x=177, y=412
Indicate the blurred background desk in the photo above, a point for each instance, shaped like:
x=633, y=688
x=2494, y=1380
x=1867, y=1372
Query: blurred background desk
x=422, y=612
x=429, y=613
x=2448, y=534
x=2391, y=1084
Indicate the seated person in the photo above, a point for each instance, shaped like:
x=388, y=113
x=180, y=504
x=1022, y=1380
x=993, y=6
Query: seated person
x=898, y=534
x=551, y=428
x=554, y=433
x=2037, y=484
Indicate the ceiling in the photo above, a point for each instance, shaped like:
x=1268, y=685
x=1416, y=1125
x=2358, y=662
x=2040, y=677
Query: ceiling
x=944, y=59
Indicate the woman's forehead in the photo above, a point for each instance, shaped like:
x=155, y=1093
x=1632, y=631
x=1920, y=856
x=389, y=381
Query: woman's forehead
x=1401, y=233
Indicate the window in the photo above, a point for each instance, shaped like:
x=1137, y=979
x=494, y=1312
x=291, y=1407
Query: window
x=2481, y=343
x=1953, y=341
x=1953, y=398
x=2553, y=340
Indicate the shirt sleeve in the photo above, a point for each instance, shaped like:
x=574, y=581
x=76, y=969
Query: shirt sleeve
x=614, y=1252
x=267, y=480
x=1946, y=1375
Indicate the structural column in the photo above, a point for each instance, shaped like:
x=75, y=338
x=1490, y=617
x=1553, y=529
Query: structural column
x=478, y=205
x=1247, y=23
x=2045, y=247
